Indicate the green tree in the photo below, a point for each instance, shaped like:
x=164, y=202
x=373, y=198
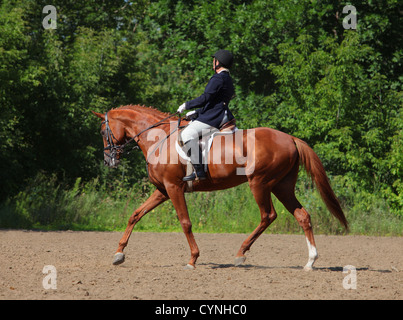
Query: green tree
x=296, y=69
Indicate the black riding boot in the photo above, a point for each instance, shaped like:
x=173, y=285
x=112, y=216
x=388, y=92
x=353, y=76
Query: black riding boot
x=195, y=158
x=198, y=174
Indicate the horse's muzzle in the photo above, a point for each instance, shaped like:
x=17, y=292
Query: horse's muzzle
x=111, y=162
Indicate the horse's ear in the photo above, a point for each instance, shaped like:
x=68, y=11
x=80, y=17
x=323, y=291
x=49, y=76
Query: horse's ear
x=99, y=115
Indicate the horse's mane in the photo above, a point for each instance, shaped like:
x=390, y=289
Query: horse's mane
x=144, y=109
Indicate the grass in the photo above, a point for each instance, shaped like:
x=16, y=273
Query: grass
x=106, y=207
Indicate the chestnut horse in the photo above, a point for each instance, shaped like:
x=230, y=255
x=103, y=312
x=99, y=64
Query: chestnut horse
x=271, y=166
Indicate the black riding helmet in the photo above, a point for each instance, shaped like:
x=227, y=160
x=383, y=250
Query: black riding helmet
x=224, y=57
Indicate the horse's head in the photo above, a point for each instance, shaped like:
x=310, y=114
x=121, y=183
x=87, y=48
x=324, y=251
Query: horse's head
x=113, y=134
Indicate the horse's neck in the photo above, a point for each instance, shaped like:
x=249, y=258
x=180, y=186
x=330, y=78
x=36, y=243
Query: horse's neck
x=135, y=121
x=138, y=123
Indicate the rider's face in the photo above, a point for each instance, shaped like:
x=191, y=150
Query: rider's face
x=215, y=63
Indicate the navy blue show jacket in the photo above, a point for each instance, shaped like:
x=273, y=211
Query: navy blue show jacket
x=214, y=101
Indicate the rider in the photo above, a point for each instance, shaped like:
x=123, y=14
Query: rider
x=213, y=111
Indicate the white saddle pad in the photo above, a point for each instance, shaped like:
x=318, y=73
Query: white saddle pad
x=205, y=146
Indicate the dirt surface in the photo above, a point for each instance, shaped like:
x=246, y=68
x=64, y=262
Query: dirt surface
x=154, y=267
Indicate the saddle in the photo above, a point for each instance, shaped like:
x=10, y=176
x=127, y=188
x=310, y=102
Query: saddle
x=205, y=143
x=229, y=126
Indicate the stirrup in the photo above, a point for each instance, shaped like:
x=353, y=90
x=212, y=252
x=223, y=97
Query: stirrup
x=194, y=177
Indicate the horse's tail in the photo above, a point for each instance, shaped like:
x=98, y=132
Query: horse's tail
x=313, y=166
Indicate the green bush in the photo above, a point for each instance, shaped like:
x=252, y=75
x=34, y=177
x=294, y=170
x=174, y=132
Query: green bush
x=93, y=205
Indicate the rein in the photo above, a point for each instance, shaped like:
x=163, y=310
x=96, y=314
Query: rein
x=117, y=149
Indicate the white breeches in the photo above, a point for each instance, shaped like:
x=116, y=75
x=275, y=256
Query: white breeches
x=195, y=129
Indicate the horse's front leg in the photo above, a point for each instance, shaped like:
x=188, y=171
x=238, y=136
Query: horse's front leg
x=177, y=196
x=153, y=201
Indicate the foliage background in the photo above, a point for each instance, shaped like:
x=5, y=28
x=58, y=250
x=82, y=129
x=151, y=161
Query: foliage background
x=296, y=69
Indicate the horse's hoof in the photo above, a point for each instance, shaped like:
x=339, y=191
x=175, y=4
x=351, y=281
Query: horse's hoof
x=308, y=268
x=239, y=260
x=189, y=267
x=118, y=258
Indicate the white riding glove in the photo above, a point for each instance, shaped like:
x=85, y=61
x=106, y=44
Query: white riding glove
x=182, y=108
x=190, y=113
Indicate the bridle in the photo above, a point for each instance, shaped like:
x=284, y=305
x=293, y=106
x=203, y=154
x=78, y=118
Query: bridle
x=115, y=149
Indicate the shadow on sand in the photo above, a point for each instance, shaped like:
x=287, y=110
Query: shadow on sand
x=250, y=266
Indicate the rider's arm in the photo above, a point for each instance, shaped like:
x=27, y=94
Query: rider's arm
x=211, y=90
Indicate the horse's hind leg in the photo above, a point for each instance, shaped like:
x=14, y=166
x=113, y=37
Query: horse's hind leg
x=267, y=216
x=153, y=201
x=304, y=221
x=284, y=191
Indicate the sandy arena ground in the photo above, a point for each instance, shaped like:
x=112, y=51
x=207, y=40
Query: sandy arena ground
x=154, y=267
